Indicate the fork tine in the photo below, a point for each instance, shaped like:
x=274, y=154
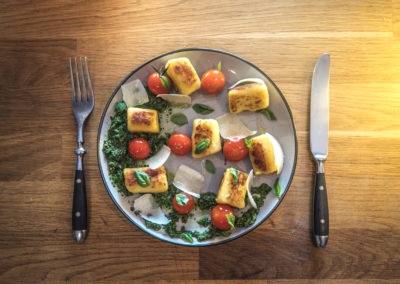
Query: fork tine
x=78, y=87
x=89, y=82
x=72, y=81
x=83, y=81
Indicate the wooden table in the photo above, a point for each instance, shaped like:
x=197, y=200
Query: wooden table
x=283, y=38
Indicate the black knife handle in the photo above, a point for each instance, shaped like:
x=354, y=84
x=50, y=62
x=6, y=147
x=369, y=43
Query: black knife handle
x=321, y=213
x=79, y=205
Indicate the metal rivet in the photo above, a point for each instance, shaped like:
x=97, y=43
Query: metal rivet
x=78, y=214
x=321, y=187
x=78, y=180
x=322, y=221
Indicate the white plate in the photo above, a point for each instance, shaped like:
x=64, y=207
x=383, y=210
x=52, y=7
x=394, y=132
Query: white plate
x=234, y=68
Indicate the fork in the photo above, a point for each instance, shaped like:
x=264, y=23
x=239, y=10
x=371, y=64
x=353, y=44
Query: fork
x=82, y=106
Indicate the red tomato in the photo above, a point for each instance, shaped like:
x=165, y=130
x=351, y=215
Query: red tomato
x=139, y=148
x=183, y=203
x=235, y=150
x=219, y=216
x=156, y=86
x=213, y=81
x=180, y=144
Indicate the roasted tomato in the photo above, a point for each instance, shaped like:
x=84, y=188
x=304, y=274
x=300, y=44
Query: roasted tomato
x=158, y=83
x=139, y=148
x=235, y=149
x=223, y=217
x=180, y=144
x=183, y=203
x=213, y=81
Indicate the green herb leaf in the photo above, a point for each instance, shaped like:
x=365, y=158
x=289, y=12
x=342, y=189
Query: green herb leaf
x=219, y=66
x=268, y=113
x=231, y=220
x=235, y=174
x=277, y=188
x=247, y=142
x=187, y=236
x=179, y=119
x=210, y=167
x=202, y=109
x=165, y=82
x=245, y=83
x=143, y=179
x=182, y=199
x=202, y=146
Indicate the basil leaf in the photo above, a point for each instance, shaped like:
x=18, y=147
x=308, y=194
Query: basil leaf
x=235, y=174
x=143, y=179
x=187, y=236
x=219, y=66
x=277, y=188
x=247, y=142
x=165, y=82
x=267, y=113
x=245, y=83
x=231, y=220
x=210, y=167
x=202, y=146
x=179, y=119
x=202, y=109
x=181, y=199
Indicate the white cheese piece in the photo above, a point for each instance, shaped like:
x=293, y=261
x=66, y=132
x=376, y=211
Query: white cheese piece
x=134, y=93
x=249, y=183
x=231, y=126
x=278, y=153
x=149, y=209
x=159, y=158
x=189, y=180
x=247, y=81
x=176, y=98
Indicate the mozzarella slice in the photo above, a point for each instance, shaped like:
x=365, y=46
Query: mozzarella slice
x=159, y=158
x=134, y=93
x=249, y=183
x=176, y=98
x=149, y=209
x=189, y=180
x=278, y=153
x=231, y=126
x=246, y=81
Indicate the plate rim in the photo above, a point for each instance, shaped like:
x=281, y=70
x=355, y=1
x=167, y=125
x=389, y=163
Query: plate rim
x=199, y=244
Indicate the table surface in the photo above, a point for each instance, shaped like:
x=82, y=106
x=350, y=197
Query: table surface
x=284, y=39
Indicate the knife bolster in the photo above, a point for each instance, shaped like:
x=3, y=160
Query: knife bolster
x=320, y=166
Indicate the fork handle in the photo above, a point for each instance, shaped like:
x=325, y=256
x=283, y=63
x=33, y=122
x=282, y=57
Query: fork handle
x=79, y=205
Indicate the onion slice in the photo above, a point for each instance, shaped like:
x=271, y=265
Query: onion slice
x=134, y=93
x=189, y=180
x=159, y=158
x=149, y=209
x=176, y=98
x=247, y=81
x=249, y=183
x=231, y=126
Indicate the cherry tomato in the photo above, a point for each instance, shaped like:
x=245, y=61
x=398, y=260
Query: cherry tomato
x=155, y=84
x=180, y=144
x=213, y=81
x=183, y=203
x=139, y=148
x=219, y=216
x=235, y=150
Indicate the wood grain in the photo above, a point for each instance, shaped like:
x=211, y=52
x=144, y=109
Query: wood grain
x=284, y=39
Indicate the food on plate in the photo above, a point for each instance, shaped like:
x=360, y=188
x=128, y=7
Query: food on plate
x=180, y=144
x=142, y=180
x=188, y=180
x=142, y=120
x=205, y=138
x=223, y=217
x=159, y=158
x=266, y=155
x=134, y=93
x=176, y=99
x=183, y=74
x=149, y=210
x=183, y=203
x=139, y=148
x=232, y=189
x=213, y=81
x=230, y=126
x=251, y=97
x=158, y=83
x=235, y=149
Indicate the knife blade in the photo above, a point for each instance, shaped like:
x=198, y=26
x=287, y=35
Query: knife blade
x=319, y=128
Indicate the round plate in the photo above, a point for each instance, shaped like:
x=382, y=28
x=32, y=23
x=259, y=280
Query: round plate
x=234, y=68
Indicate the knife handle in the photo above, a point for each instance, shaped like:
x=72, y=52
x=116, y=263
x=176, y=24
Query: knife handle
x=79, y=203
x=321, y=213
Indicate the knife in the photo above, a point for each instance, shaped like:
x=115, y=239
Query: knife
x=319, y=128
